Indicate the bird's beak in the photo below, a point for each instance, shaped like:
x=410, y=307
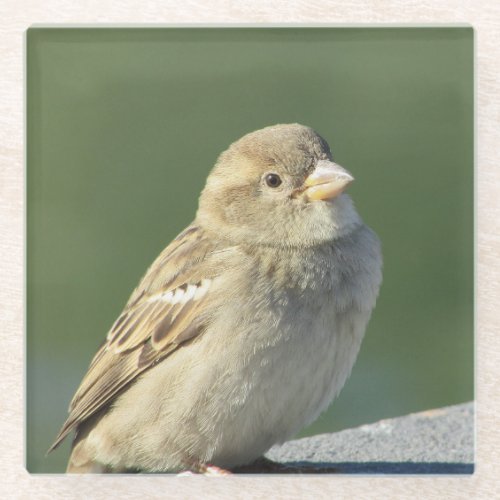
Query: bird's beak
x=326, y=181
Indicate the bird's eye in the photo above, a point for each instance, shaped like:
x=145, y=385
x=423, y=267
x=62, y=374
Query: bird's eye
x=273, y=180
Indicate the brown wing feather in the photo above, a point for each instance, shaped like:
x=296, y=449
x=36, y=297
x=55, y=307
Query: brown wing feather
x=162, y=313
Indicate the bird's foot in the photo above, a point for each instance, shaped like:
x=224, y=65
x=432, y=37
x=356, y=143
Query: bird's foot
x=205, y=470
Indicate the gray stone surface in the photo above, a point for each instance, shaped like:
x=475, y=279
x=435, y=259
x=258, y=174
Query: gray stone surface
x=439, y=441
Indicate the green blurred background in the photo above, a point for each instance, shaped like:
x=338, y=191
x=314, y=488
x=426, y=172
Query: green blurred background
x=124, y=125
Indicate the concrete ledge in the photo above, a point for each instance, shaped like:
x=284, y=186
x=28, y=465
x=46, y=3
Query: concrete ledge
x=439, y=441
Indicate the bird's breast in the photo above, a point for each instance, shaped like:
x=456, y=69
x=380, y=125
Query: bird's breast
x=304, y=327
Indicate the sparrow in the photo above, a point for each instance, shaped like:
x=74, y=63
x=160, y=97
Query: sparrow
x=245, y=327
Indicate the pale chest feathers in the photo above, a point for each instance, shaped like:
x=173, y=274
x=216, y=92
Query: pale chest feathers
x=303, y=307
x=344, y=275
x=319, y=310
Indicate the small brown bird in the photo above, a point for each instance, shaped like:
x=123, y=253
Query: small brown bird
x=247, y=325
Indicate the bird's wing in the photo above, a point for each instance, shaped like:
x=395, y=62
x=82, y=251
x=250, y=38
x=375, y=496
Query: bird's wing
x=168, y=308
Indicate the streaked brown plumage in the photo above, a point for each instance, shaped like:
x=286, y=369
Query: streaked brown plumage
x=148, y=330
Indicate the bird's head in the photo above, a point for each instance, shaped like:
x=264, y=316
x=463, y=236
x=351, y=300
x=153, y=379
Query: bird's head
x=278, y=186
